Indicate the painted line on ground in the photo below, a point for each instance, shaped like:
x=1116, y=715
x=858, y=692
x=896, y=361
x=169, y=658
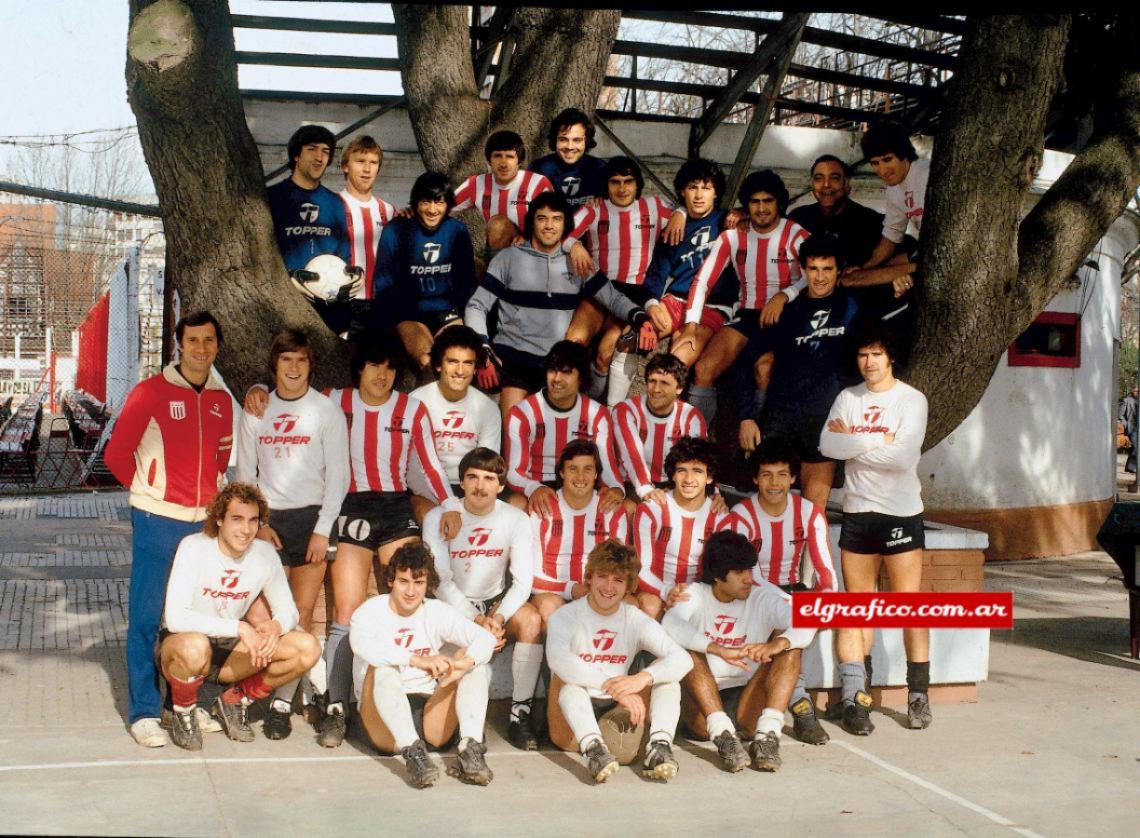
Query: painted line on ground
x=1115, y=656
x=1001, y=820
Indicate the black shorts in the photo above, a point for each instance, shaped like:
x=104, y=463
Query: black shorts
x=436, y=320
x=798, y=430
x=875, y=533
x=372, y=519
x=486, y=605
x=521, y=369
x=791, y=589
x=747, y=322
x=293, y=527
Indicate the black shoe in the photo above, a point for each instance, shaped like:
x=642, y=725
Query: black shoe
x=857, y=715
x=805, y=726
x=918, y=711
x=471, y=766
x=522, y=734
x=332, y=728
x=184, y=730
x=660, y=763
x=765, y=752
x=317, y=708
x=733, y=757
x=234, y=719
x=600, y=762
x=277, y=724
x=421, y=772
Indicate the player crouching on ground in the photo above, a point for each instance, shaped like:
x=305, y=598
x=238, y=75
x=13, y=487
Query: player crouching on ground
x=215, y=578
x=590, y=646
x=728, y=623
x=485, y=573
x=408, y=690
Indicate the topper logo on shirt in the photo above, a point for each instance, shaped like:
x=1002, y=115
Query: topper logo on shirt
x=230, y=578
x=908, y=198
x=404, y=638
x=478, y=536
x=431, y=252
x=178, y=410
x=782, y=258
x=309, y=212
x=604, y=640
x=724, y=623
x=700, y=238
x=819, y=318
x=216, y=410
x=452, y=419
x=285, y=423
x=571, y=185
x=872, y=415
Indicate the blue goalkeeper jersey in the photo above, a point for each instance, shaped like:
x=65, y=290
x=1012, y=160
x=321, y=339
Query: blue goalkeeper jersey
x=307, y=223
x=579, y=182
x=420, y=271
x=674, y=267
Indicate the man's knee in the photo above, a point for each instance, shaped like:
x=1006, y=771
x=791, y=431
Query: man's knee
x=527, y=624
x=306, y=649
x=189, y=650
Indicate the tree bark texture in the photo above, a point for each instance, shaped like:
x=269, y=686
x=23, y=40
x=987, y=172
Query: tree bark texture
x=221, y=252
x=988, y=272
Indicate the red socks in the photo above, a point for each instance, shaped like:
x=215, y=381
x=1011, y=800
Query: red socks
x=252, y=688
x=184, y=693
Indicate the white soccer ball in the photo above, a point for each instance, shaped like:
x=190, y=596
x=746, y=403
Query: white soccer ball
x=325, y=276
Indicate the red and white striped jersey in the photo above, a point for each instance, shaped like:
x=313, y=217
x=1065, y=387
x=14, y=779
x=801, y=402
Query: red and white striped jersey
x=669, y=541
x=780, y=541
x=365, y=221
x=537, y=432
x=512, y=200
x=381, y=439
x=644, y=439
x=766, y=263
x=621, y=239
x=566, y=538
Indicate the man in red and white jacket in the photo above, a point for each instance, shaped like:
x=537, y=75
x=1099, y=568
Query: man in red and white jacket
x=170, y=445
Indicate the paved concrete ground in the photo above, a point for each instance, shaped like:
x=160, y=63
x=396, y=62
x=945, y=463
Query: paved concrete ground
x=1051, y=747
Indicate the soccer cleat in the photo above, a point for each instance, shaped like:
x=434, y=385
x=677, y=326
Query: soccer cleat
x=332, y=728
x=857, y=715
x=184, y=730
x=206, y=722
x=317, y=708
x=918, y=711
x=234, y=719
x=522, y=734
x=277, y=724
x=471, y=766
x=148, y=733
x=659, y=762
x=765, y=752
x=733, y=757
x=805, y=726
x=600, y=762
x=421, y=772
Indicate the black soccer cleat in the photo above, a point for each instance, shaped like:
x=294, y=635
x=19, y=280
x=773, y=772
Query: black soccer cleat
x=857, y=715
x=660, y=764
x=805, y=726
x=277, y=724
x=765, y=752
x=733, y=757
x=332, y=728
x=421, y=772
x=234, y=719
x=471, y=766
x=918, y=711
x=522, y=734
x=600, y=762
x=184, y=730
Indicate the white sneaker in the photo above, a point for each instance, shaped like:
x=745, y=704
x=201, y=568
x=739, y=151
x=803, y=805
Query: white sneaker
x=148, y=733
x=206, y=722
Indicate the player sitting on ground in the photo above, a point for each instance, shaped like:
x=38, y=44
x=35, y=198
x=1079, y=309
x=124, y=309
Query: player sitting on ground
x=425, y=270
x=878, y=428
x=503, y=195
x=571, y=169
x=296, y=452
x=765, y=259
x=407, y=688
x=670, y=536
x=647, y=427
x=365, y=217
x=462, y=418
x=781, y=526
x=215, y=578
x=622, y=232
x=590, y=646
x=485, y=573
x=384, y=428
x=539, y=426
x=699, y=184
x=728, y=623
x=575, y=526
x=536, y=294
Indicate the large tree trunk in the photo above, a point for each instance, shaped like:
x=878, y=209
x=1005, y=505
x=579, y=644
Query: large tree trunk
x=986, y=274
x=221, y=251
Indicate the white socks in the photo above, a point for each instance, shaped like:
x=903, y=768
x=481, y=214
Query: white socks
x=718, y=723
x=392, y=705
x=770, y=721
x=526, y=664
x=471, y=697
